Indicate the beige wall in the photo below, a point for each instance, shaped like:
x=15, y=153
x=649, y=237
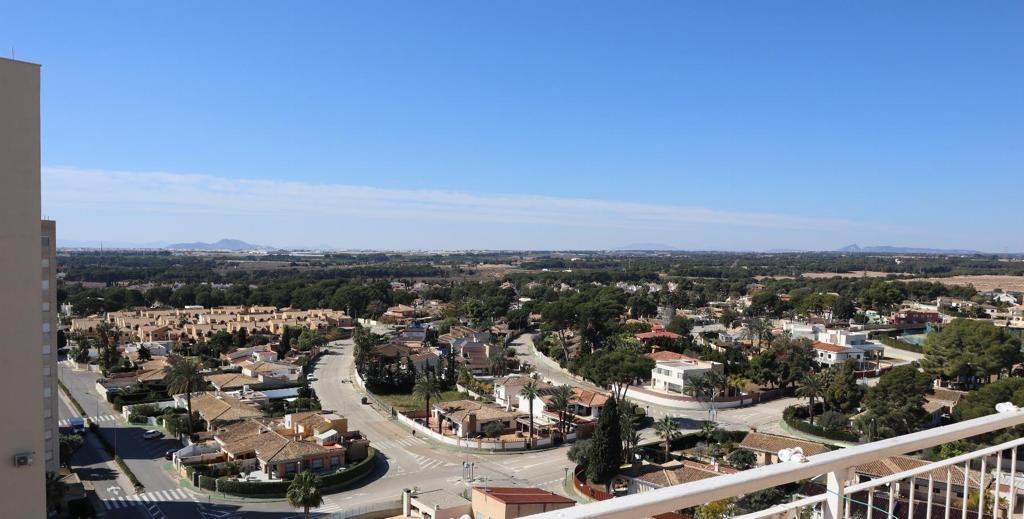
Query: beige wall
x=486, y=507
x=22, y=425
x=51, y=430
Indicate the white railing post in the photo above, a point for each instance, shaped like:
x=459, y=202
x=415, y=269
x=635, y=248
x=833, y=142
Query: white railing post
x=836, y=485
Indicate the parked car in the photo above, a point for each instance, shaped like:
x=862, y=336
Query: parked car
x=169, y=455
x=152, y=434
x=310, y=377
x=77, y=424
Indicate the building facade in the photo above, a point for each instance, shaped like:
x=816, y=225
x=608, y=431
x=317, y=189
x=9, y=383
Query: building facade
x=48, y=264
x=23, y=463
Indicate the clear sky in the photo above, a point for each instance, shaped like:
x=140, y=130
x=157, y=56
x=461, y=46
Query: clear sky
x=701, y=125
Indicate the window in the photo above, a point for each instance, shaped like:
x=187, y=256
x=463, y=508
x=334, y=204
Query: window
x=335, y=461
x=290, y=468
x=317, y=463
x=46, y=306
x=46, y=327
x=46, y=349
x=45, y=241
x=47, y=434
x=46, y=392
x=46, y=284
x=46, y=371
x=45, y=262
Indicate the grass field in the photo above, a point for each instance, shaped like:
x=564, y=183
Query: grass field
x=409, y=402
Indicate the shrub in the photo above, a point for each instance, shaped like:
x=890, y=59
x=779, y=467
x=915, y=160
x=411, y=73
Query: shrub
x=833, y=421
x=494, y=429
x=742, y=459
x=789, y=415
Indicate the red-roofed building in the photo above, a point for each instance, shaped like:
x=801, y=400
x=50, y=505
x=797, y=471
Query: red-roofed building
x=512, y=502
x=657, y=332
x=834, y=354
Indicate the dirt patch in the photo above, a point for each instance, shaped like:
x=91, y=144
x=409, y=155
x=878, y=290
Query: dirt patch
x=984, y=283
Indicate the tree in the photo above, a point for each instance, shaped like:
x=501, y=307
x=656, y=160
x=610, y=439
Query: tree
x=970, y=351
x=667, y=430
x=714, y=510
x=982, y=402
x=530, y=392
x=184, y=376
x=812, y=388
x=759, y=329
x=560, y=401
x=681, y=325
x=606, y=446
x=304, y=492
x=69, y=444
x=764, y=369
x=843, y=308
x=795, y=357
x=55, y=490
x=309, y=339
x=895, y=405
x=844, y=394
x=742, y=459
x=144, y=354
x=240, y=338
x=425, y=390
x=629, y=422
x=617, y=368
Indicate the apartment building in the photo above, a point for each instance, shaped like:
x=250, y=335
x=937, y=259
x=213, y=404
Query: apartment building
x=48, y=264
x=23, y=463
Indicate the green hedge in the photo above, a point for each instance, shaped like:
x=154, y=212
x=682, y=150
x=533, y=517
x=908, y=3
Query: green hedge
x=279, y=488
x=789, y=415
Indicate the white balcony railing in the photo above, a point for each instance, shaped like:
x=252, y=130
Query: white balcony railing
x=989, y=475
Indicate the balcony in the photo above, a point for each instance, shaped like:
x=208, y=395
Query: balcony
x=982, y=484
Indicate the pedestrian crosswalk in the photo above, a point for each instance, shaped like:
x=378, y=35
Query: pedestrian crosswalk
x=426, y=462
x=101, y=418
x=328, y=506
x=155, y=496
x=399, y=443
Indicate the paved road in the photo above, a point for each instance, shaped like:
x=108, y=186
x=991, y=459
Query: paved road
x=410, y=461
x=163, y=496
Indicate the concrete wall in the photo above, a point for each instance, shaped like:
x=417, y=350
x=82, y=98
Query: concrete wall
x=22, y=427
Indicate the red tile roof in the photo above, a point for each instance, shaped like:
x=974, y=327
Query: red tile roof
x=834, y=348
x=663, y=356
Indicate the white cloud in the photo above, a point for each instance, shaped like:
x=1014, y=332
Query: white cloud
x=171, y=197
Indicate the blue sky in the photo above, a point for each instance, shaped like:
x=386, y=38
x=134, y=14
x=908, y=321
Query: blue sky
x=703, y=125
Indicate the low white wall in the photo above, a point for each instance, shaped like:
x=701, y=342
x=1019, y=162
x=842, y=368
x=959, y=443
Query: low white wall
x=640, y=397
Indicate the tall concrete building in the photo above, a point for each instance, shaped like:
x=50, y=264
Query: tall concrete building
x=51, y=430
x=23, y=450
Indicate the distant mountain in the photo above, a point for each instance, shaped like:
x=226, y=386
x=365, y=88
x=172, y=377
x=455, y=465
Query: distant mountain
x=96, y=244
x=646, y=246
x=888, y=249
x=224, y=244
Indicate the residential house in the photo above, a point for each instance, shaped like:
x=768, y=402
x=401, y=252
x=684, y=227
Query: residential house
x=467, y=418
x=894, y=464
x=233, y=381
x=917, y=316
x=271, y=370
x=513, y=502
x=833, y=354
x=672, y=371
x=219, y=409
x=767, y=446
x=651, y=476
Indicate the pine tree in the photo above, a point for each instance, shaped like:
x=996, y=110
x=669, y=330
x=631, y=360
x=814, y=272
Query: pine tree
x=843, y=393
x=606, y=447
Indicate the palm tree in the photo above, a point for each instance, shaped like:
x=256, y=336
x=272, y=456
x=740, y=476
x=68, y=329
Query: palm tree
x=530, y=391
x=668, y=430
x=304, y=492
x=185, y=377
x=560, y=401
x=812, y=387
x=737, y=383
x=427, y=388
